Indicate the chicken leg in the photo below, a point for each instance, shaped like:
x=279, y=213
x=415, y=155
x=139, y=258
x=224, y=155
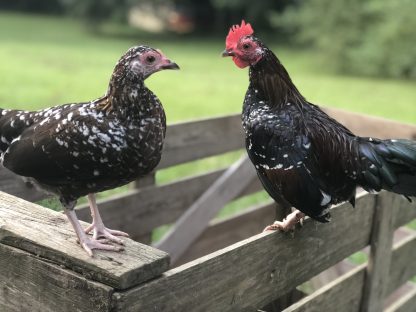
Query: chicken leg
x=97, y=225
x=288, y=223
x=87, y=243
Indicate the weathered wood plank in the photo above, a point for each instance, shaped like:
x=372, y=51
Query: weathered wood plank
x=331, y=274
x=30, y=283
x=196, y=219
x=380, y=254
x=222, y=233
x=346, y=265
x=283, y=301
x=403, y=264
x=344, y=292
x=404, y=211
x=139, y=212
x=147, y=207
x=15, y=185
x=48, y=234
x=407, y=303
x=398, y=294
x=252, y=273
x=202, y=138
x=372, y=126
x=149, y=179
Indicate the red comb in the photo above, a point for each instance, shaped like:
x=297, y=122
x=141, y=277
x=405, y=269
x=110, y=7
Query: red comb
x=236, y=32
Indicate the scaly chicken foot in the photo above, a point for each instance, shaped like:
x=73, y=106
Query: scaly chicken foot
x=90, y=243
x=87, y=243
x=288, y=223
x=100, y=232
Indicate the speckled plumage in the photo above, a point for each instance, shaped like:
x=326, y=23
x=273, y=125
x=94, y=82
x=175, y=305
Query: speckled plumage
x=304, y=158
x=82, y=148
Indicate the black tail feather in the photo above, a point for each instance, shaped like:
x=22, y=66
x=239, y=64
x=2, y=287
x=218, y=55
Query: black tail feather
x=392, y=165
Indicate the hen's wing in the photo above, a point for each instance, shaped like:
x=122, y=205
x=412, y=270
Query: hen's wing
x=64, y=144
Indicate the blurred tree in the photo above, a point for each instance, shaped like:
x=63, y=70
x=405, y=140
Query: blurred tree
x=204, y=15
x=371, y=37
x=208, y=15
x=256, y=12
x=33, y=6
x=95, y=12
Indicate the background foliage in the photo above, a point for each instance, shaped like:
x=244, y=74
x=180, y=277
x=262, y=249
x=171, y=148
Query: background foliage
x=370, y=37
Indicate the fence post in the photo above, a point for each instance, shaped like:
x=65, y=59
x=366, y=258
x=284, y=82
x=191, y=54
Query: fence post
x=374, y=289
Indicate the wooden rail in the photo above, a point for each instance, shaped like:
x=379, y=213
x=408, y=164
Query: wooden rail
x=226, y=264
x=48, y=270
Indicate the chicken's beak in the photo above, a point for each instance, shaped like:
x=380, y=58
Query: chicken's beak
x=168, y=64
x=226, y=53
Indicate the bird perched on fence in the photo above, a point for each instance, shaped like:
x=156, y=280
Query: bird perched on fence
x=79, y=149
x=304, y=158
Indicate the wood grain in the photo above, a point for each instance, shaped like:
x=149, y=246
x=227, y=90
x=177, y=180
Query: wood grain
x=372, y=126
x=147, y=207
x=194, y=221
x=403, y=264
x=242, y=277
x=346, y=291
x=405, y=304
x=404, y=211
x=47, y=234
x=374, y=290
x=30, y=283
x=194, y=140
x=222, y=233
x=139, y=211
x=13, y=184
x=254, y=272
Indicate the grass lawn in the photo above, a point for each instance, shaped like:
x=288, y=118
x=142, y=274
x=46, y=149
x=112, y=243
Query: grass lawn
x=46, y=61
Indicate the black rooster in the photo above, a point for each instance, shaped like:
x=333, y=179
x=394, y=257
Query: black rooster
x=304, y=158
x=83, y=148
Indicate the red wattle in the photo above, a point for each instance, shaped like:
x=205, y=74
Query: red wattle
x=240, y=63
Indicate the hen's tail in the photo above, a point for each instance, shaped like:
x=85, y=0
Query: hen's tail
x=12, y=123
x=390, y=165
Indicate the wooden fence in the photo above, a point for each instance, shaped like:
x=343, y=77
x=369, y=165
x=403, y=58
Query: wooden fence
x=216, y=265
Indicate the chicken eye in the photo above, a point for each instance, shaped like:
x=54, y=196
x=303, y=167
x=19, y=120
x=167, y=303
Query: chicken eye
x=246, y=46
x=150, y=59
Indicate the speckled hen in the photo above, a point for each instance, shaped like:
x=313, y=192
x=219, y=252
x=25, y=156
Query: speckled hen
x=79, y=149
x=304, y=158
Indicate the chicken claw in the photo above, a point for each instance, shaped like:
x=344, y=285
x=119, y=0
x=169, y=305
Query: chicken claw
x=288, y=223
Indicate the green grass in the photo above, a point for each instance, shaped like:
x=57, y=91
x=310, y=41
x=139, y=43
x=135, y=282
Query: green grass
x=46, y=61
